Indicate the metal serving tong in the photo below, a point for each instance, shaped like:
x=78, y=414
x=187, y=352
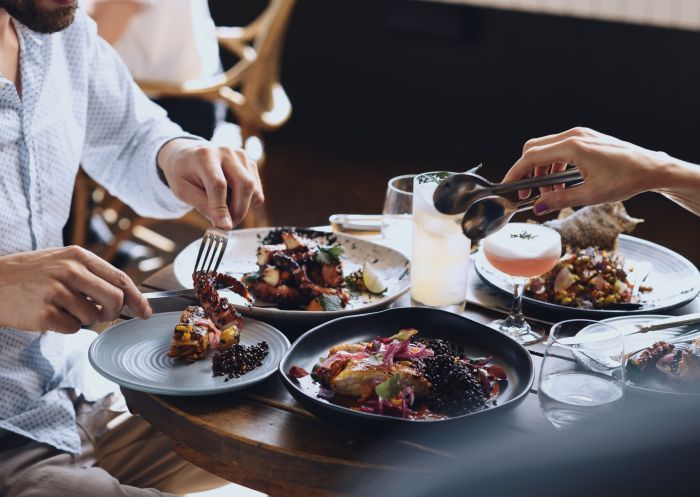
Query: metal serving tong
x=456, y=193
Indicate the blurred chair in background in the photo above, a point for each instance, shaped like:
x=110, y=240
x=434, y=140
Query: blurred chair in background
x=171, y=48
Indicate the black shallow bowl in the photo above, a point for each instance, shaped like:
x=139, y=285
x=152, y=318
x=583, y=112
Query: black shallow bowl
x=477, y=339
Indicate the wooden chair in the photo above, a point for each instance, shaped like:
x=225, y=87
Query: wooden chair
x=250, y=88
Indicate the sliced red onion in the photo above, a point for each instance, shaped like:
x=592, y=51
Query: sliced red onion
x=343, y=356
x=297, y=372
x=325, y=393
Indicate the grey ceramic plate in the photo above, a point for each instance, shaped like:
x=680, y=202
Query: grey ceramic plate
x=675, y=280
x=240, y=256
x=134, y=354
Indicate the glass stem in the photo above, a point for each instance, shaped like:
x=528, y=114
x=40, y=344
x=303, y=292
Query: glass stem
x=516, y=312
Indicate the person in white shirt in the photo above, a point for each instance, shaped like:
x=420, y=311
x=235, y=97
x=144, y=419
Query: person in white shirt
x=66, y=99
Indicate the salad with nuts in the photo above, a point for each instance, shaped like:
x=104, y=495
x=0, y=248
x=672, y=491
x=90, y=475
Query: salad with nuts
x=587, y=278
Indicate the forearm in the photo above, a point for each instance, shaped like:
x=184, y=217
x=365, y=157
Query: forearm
x=680, y=182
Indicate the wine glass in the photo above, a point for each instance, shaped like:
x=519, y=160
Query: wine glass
x=397, y=217
x=523, y=251
x=585, y=380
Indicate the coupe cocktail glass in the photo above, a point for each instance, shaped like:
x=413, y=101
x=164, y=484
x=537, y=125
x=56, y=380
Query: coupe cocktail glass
x=522, y=251
x=440, y=256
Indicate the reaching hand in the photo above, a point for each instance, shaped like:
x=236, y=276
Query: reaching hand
x=612, y=169
x=59, y=289
x=202, y=174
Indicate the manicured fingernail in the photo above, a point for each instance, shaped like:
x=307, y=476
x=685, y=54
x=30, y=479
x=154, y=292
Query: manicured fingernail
x=147, y=312
x=540, y=208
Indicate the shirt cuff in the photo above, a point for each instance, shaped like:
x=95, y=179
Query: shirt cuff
x=163, y=196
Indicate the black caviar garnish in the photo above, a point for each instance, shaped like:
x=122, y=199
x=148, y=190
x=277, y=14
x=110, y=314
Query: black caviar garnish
x=237, y=360
x=456, y=388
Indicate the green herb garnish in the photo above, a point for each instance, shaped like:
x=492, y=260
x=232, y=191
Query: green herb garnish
x=523, y=235
x=330, y=302
x=329, y=254
x=390, y=388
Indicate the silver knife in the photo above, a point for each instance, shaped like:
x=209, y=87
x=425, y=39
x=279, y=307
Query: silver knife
x=186, y=293
x=638, y=328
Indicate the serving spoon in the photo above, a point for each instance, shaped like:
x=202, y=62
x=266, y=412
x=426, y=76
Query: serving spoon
x=488, y=215
x=457, y=192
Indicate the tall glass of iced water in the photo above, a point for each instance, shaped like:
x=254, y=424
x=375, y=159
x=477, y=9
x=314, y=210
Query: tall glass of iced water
x=440, y=255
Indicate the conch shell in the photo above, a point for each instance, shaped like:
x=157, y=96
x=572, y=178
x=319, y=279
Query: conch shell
x=593, y=226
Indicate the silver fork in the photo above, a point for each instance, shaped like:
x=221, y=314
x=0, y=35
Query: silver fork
x=214, y=241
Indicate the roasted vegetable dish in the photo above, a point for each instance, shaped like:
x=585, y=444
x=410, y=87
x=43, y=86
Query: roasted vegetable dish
x=215, y=324
x=585, y=278
x=297, y=272
x=406, y=376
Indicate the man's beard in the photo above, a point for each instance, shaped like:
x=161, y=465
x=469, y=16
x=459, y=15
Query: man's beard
x=37, y=19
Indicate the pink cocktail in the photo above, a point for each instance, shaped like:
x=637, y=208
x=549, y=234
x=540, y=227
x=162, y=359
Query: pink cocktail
x=522, y=251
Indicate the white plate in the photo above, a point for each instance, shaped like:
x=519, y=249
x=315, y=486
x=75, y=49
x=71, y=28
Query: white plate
x=650, y=381
x=134, y=354
x=675, y=280
x=240, y=257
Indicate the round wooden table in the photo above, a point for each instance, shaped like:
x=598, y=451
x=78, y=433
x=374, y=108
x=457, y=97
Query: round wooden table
x=263, y=439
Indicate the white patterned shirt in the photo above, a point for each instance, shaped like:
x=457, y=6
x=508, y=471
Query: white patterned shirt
x=79, y=105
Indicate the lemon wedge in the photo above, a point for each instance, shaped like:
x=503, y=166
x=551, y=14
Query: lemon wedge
x=372, y=280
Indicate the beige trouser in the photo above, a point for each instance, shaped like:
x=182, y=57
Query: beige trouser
x=122, y=455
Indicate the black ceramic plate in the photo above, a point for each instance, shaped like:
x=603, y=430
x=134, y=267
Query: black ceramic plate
x=674, y=279
x=478, y=340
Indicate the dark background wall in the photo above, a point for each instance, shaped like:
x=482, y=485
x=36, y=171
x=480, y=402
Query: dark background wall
x=387, y=87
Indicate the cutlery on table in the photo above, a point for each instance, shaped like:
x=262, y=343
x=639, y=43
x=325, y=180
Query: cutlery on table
x=186, y=293
x=357, y=222
x=488, y=215
x=211, y=251
x=456, y=193
x=637, y=328
x=214, y=241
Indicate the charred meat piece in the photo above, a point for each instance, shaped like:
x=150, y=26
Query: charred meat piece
x=302, y=278
x=649, y=356
x=218, y=308
x=191, y=336
x=296, y=242
x=283, y=295
x=295, y=271
x=354, y=378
